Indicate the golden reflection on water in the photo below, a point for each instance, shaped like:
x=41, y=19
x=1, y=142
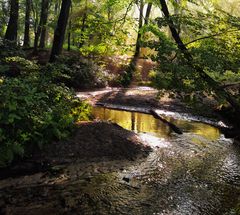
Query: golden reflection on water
x=141, y=123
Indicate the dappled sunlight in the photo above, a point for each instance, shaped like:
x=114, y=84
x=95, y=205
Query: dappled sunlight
x=114, y=107
x=154, y=141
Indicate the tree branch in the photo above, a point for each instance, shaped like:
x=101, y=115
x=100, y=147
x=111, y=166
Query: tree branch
x=209, y=36
x=213, y=83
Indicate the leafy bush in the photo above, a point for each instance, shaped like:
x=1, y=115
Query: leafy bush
x=77, y=72
x=9, y=49
x=16, y=66
x=34, y=111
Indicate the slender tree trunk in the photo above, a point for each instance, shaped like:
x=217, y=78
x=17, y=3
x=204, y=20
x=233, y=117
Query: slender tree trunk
x=57, y=7
x=73, y=40
x=35, y=17
x=44, y=24
x=26, y=41
x=148, y=12
x=12, y=28
x=43, y=37
x=69, y=37
x=60, y=30
x=69, y=31
x=4, y=18
x=83, y=27
x=43, y=17
x=140, y=24
x=214, y=84
x=127, y=78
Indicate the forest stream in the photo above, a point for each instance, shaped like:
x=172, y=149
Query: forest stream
x=119, y=107
x=197, y=172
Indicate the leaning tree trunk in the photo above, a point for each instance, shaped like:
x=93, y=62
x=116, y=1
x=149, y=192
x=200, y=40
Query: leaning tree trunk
x=26, y=40
x=214, y=84
x=11, y=33
x=60, y=30
x=44, y=24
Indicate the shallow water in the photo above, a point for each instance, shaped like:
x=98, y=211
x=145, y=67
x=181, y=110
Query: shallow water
x=146, y=123
x=194, y=173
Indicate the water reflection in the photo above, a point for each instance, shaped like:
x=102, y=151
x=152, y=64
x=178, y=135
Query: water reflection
x=194, y=173
x=145, y=123
x=179, y=177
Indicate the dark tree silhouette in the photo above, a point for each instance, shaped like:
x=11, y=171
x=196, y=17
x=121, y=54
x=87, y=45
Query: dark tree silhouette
x=12, y=28
x=42, y=24
x=60, y=30
x=26, y=40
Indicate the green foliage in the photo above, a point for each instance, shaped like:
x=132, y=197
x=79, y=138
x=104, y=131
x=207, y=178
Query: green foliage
x=35, y=111
x=100, y=27
x=78, y=72
x=9, y=49
x=215, y=48
x=22, y=63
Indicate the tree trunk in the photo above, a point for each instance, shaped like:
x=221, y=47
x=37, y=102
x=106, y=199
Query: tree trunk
x=35, y=16
x=26, y=41
x=140, y=24
x=127, y=77
x=4, y=17
x=69, y=31
x=83, y=27
x=148, y=12
x=11, y=33
x=69, y=37
x=60, y=30
x=44, y=23
x=57, y=7
x=43, y=18
x=214, y=84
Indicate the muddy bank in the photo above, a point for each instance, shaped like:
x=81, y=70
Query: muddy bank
x=98, y=141
x=143, y=99
x=95, y=147
x=148, y=98
x=94, y=172
x=185, y=174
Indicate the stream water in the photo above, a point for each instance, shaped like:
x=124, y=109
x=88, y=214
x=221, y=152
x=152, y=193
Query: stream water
x=194, y=173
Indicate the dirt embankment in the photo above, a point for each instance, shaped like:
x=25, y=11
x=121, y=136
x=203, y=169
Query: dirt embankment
x=95, y=147
x=92, y=141
x=147, y=97
x=97, y=140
